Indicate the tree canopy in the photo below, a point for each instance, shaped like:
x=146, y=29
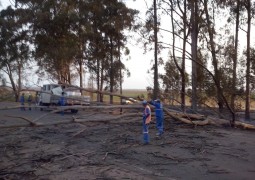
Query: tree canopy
x=66, y=38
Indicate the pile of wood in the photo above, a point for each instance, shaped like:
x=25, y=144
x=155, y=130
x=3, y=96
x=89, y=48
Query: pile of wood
x=201, y=120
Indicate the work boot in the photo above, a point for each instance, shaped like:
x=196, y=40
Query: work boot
x=159, y=134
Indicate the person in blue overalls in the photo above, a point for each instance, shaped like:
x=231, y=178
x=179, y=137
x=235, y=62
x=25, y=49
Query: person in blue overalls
x=146, y=122
x=159, y=116
x=22, y=102
x=62, y=102
x=29, y=101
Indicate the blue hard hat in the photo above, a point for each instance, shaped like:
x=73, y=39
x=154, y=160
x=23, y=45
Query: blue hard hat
x=144, y=102
x=157, y=100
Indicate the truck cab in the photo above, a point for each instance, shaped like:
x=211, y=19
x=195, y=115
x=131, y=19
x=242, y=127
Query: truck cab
x=46, y=95
x=51, y=93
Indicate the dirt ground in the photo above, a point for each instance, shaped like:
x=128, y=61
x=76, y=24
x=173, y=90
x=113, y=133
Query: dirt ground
x=97, y=150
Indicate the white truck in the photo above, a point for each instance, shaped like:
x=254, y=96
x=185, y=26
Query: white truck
x=50, y=95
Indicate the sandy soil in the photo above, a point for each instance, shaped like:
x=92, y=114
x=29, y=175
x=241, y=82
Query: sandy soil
x=114, y=151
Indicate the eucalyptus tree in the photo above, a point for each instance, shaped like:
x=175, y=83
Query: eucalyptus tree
x=81, y=27
x=205, y=85
x=155, y=29
x=236, y=10
x=179, y=29
x=15, y=50
x=220, y=77
x=249, y=8
x=109, y=20
x=194, y=42
x=172, y=83
x=150, y=40
x=54, y=39
x=213, y=50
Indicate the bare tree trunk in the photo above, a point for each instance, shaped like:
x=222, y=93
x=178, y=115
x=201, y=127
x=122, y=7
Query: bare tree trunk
x=233, y=95
x=194, y=36
x=81, y=47
x=14, y=88
x=102, y=83
x=183, y=92
x=156, y=84
x=121, y=110
x=248, y=62
x=19, y=76
x=111, y=71
x=81, y=71
x=69, y=74
x=173, y=41
x=214, y=59
x=81, y=74
x=120, y=71
x=98, y=79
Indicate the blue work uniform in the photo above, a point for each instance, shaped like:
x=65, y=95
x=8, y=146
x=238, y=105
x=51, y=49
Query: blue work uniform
x=62, y=102
x=159, y=116
x=29, y=100
x=22, y=102
x=146, y=121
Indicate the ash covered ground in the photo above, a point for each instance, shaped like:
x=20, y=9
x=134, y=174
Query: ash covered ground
x=101, y=150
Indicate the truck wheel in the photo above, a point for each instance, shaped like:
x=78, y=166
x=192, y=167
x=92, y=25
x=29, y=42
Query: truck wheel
x=74, y=111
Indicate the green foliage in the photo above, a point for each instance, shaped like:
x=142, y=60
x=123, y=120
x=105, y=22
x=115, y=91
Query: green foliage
x=172, y=79
x=15, y=49
x=74, y=33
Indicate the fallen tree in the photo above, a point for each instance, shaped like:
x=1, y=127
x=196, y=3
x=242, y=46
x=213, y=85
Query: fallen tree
x=188, y=119
x=192, y=119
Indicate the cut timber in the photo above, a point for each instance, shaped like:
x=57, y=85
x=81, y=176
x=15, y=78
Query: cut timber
x=208, y=121
x=134, y=106
x=92, y=91
x=120, y=117
x=24, y=118
x=113, y=120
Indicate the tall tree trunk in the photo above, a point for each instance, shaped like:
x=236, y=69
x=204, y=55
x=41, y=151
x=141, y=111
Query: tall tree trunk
x=156, y=84
x=14, y=88
x=183, y=92
x=102, y=83
x=194, y=36
x=233, y=95
x=81, y=46
x=214, y=59
x=120, y=74
x=98, y=79
x=19, y=76
x=120, y=70
x=248, y=62
x=173, y=37
x=111, y=71
x=81, y=71
x=81, y=74
x=69, y=75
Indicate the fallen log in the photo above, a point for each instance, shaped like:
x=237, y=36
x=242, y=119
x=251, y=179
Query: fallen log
x=77, y=107
x=209, y=121
x=192, y=119
x=80, y=121
x=24, y=118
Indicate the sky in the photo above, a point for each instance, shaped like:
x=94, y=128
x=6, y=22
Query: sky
x=139, y=63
